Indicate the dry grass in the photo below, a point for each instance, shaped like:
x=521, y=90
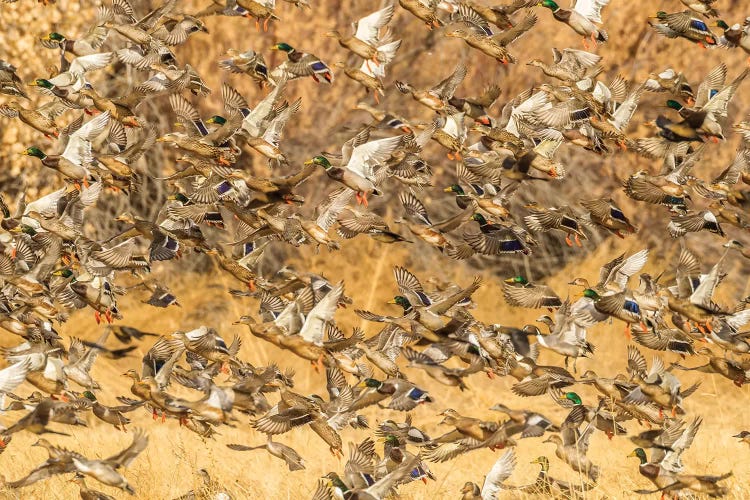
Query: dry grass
x=166, y=469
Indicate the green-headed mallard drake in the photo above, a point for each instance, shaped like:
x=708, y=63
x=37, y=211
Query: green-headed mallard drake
x=405, y=396
x=76, y=159
x=357, y=170
x=683, y=25
x=10, y=83
x=301, y=64
x=111, y=414
x=496, y=238
x=88, y=44
x=583, y=18
x=735, y=36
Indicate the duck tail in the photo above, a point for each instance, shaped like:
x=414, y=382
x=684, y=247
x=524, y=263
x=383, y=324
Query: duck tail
x=602, y=36
x=375, y=192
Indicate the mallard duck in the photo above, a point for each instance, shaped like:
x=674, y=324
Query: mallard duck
x=76, y=159
x=584, y=17
x=519, y=292
x=702, y=7
x=405, y=396
x=604, y=212
x=249, y=62
x=679, y=225
x=495, y=46
x=41, y=118
x=10, y=83
x=683, y=25
x=364, y=42
x=735, y=36
x=300, y=64
x=357, y=170
x=438, y=96
x=721, y=365
x=496, y=238
x=499, y=15
x=670, y=81
x=279, y=450
x=424, y=10
x=365, y=77
x=87, y=493
x=570, y=65
x=106, y=471
x=529, y=423
x=111, y=414
x=572, y=445
x=743, y=436
x=561, y=219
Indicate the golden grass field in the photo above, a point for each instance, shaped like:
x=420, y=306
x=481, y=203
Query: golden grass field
x=167, y=467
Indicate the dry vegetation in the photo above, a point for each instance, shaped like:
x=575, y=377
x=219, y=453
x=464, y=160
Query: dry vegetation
x=167, y=467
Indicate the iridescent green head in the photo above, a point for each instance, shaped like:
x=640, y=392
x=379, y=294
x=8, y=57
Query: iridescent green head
x=55, y=36
x=550, y=5
x=319, y=160
x=671, y=103
x=661, y=15
x=454, y=188
x=402, y=301
x=89, y=395
x=178, y=197
x=392, y=440
x=591, y=294
x=721, y=24
x=284, y=47
x=65, y=272
x=371, y=382
x=219, y=120
x=479, y=218
x=638, y=452
x=34, y=151
x=518, y=279
x=574, y=398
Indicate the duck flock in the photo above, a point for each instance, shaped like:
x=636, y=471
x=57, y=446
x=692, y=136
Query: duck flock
x=236, y=194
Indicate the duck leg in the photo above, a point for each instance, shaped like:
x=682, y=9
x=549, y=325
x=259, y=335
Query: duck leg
x=376, y=96
x=364, y=199
x=578, y=241
x=265, y=24
x=97, y=317
x=628, y=333
x=450, y=155
x=585, y=43
x=567, y=240
x=108, y=315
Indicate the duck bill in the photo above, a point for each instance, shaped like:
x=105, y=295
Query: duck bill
x=309, y=162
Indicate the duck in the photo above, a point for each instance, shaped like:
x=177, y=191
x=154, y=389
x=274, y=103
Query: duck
x=424, y=11
x=519, y=292
x=279, y=450
x=583, y=18
x=683, y=25
x=301, y=64
x=495, y=46
x=572, y=445
x=561, y=219
x=365, y=41
x=10, y=83
x=735, y=36
x=605, y=213
x=436, y=98
x=41, y=119
x=111, y=414
x=357, y=169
